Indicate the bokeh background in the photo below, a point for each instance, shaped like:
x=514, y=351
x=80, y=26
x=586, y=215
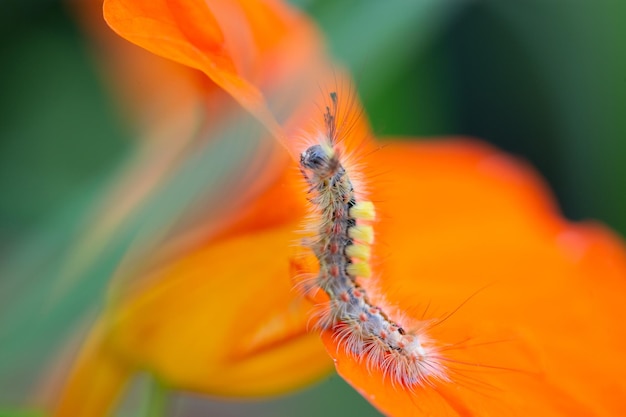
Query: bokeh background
x=542, y=79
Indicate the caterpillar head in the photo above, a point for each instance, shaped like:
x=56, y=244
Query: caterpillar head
x=320, y=160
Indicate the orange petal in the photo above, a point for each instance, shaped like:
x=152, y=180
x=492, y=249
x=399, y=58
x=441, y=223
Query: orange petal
x=281, y=202
x=244, y=47
x=526, y=307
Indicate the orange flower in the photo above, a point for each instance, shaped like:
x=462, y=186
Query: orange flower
x=522, y=305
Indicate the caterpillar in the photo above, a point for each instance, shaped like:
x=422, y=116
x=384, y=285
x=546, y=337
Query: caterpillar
x=342, y=229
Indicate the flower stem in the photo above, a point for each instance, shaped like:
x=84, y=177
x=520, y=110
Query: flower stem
x=157, y=399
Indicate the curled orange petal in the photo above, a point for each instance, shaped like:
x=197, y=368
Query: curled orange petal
x=255, y=51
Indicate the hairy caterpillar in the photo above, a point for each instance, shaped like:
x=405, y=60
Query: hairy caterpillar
x=342, y=228
x=500, y=355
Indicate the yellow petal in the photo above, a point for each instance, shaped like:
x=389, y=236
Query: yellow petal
x=223, y=320
x=98, y=378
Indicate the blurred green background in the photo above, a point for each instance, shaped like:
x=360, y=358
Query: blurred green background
x=542, y=79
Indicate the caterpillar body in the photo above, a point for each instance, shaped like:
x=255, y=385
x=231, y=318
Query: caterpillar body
x=343, y=234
